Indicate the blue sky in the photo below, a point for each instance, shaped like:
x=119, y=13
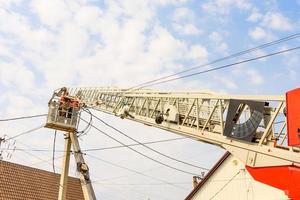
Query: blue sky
x=45, y=45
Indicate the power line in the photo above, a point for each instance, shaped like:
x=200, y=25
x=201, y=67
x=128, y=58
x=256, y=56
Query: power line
x=132, y=170
x=154, y=150
x=26, y=132
x=35, y=156
x=127, y=175
x=87, y=128
x=142, y=154
x=224, y=186
x=135, y=144
x=48, y=160
x=149, y=184
x=284, y=39
x=142, y=184
x=24, y=117
x=222, y=67
x=103, y=148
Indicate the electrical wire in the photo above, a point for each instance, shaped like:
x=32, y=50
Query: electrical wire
x=262, y=46
x=100, y=149
x=224, y=186
x=134, y=171
x=35, y=156
x=41, y=160
x=222, y=67
x=135, y=144
x=140, y=153
x=53, y=152
x=24, y=133
x=154, y=150
x=48, y=160
x=25, y=117
x=87, y=128
x=141, y=184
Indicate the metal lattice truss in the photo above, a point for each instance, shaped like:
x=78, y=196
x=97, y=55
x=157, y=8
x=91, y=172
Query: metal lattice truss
x=204, y=117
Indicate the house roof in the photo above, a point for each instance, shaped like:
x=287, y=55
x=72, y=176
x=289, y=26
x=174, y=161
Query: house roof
x=22, y=182
x=208, y=175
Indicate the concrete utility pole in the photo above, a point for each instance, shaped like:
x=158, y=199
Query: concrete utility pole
x=82, y=168
x=65, y=169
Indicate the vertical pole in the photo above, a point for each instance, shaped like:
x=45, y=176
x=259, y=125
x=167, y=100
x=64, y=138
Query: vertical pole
x=221, y=117
x=197, y=113
x=83, y=170
x=65, y=169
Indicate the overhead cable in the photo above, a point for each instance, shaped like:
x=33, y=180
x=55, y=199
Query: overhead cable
x=154, y=150
x=140, y=153
x=222, y=67
x=132, y=170
x=24, y=133
x=102, y=148
x=224, y=185
x=262, y=46
x=24, y=117
x=134, y=144
x=88, y=126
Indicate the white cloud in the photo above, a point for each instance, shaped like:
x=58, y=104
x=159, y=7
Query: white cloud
x=168, y=2
x=51, y=13
x=227, y=82
x=9, y=3
x=223, y=7
x=276, y=21
x=120, y=48
x=186, y=29
x=17, y=76
x=4, y=50
x=165, y=47
x=255, y=16
x=13, y=23
x=253, y=77
x=258, y=33
x=88, y=17
x=184, y=22
x=198, y=52
x=268, y=23
x=273, y=20
x=17, y=105
x=217, y=38
x=184, y=14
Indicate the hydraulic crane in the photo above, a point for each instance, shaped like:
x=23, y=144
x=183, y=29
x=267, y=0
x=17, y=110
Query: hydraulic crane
x=262, y=131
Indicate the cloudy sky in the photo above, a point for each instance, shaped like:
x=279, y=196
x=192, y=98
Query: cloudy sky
x=47, y=44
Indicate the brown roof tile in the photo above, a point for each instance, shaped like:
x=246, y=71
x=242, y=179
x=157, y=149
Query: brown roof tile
x=18, y=182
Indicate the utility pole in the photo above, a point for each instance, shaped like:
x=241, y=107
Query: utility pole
x=7, y=147
x=88, y=192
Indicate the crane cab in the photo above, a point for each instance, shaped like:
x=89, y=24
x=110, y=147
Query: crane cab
x=63, y=114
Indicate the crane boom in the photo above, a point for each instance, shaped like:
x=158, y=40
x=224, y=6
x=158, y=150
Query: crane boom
x=202, y=117
x=255, y=129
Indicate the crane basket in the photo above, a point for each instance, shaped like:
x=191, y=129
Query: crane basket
x=63, y=114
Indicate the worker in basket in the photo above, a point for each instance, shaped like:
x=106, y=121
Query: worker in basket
x=67, y=104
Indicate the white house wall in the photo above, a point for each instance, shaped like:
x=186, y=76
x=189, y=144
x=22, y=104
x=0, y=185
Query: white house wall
x=241, y=187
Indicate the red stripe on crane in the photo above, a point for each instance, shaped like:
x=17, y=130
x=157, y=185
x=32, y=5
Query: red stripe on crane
x=286, y=178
